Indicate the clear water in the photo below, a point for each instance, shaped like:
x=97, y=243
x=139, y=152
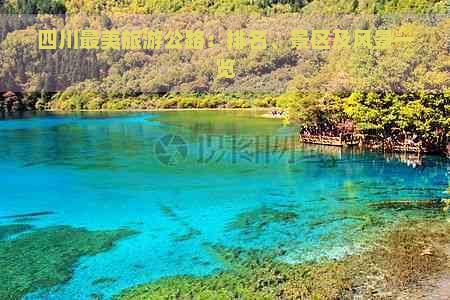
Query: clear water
x=181, y=179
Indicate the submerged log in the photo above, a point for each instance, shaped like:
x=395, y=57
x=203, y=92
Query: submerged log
x=34, y=214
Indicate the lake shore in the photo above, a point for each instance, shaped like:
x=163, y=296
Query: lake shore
x=162, y=109
x=264, y=111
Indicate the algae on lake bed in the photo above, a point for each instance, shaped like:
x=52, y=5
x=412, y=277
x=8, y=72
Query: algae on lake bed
x=9, y=230
x=255, y=275
x=400, y=257
x=257, y=219
x=45, y=257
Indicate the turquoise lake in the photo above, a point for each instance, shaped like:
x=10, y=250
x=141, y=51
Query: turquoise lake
x=190, y=179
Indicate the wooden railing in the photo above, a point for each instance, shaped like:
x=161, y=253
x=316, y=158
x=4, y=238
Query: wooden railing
x=415, y=148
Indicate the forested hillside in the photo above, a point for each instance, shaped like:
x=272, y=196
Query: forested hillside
x=224, y=6
x=403, y=89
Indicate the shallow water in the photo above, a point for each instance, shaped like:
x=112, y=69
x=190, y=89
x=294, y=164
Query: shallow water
x=188, y=180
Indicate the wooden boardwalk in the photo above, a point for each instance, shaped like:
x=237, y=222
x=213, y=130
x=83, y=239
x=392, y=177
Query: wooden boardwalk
x=342, y=142
x=326, y=140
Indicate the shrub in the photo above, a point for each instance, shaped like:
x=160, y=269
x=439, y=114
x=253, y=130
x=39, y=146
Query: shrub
x=238, y=104
x=95, y=104
x=40, y=105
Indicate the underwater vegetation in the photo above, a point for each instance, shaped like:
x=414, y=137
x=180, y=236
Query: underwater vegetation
x=350, y=189
x=253, y=275
x=25, y=220
x=28, y=217
x=256, y=220
x=9, y=230
x=190, y=231
x=104, y=281
x=399, y=257
x=188, y=235
x=409, y=204
x=45, y=257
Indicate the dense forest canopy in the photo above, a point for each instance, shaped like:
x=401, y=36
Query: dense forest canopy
x=225, y=6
